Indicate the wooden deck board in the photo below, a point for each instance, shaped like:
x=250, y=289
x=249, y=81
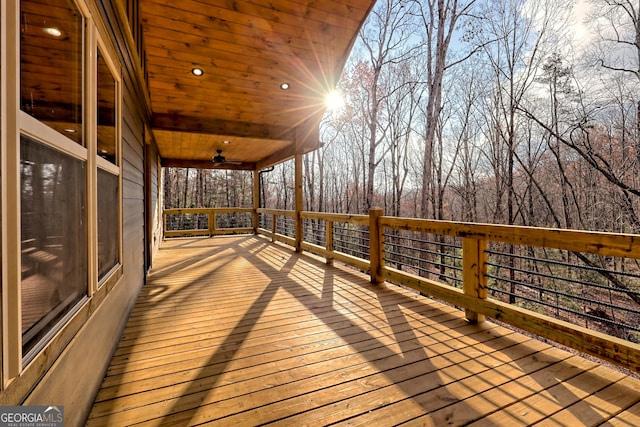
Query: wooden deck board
x=238, y=331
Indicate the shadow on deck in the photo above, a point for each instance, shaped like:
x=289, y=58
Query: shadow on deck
x=236, y=330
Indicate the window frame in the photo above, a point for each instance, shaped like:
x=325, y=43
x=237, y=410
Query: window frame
x=103, y=164
x=14, y=123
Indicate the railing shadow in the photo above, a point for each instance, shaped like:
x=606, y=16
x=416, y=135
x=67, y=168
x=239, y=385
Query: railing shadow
x=401, y=370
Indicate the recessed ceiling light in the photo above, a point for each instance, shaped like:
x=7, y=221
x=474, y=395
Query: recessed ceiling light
x=226, y=141
x=197, y=71
x=70, y=130
x=53, y=31
x=284, y=86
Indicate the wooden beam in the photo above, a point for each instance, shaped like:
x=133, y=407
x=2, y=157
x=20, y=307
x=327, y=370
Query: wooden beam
x=177, y=122
x=307, y=138
x=206, y=164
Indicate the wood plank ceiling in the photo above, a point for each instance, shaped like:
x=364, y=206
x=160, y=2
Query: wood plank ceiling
x=246, y=49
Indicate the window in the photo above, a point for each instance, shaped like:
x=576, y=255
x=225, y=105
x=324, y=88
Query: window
x=54, y=242
x=108, y=175
x=70, y=238
x=106, y=111
x=108, y=223
x=51, y=71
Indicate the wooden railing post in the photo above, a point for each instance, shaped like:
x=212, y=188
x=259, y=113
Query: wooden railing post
x=375, y=245
x=273, y=228
x=211, y=220
x=214, y=221
x=256, y=201
x=328, y=233
x=298, y=201
x=474, y=273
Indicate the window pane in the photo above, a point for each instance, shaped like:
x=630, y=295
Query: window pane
x=106, y=111
x=51, y=44
x=54, y=237
x=108, y=230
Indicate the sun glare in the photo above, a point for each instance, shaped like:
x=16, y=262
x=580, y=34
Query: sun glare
x=334, y=100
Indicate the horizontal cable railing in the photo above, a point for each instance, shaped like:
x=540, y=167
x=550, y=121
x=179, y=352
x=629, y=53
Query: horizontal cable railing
x=425, y=255
x=598, y=292
x=182, y=222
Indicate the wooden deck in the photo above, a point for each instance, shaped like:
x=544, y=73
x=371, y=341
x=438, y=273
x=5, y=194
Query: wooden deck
x=239, y=331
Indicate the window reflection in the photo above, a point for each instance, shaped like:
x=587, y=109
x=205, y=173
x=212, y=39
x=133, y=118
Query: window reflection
x=54, y=240
x=106, y=111
x=51, y=45
x=108, y=229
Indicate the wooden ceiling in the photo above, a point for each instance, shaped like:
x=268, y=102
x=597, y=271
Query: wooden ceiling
x=246, y=49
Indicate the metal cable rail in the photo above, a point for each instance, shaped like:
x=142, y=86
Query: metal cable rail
x=415, y=239
x=422, y=260
x=567, y=279
x=560, y=293
x=564, y=264
x=569, y=310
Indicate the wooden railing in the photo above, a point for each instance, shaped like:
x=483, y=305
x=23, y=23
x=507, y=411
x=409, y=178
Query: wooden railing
x=474, y=295
x=195, y=218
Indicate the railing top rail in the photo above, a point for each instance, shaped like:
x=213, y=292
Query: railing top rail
x=602, y=243
x=335, y=217
x=281, y=212
x=205, y=210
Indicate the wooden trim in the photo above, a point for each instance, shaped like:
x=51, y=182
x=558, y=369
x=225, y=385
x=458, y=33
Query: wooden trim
x=35, y=129
x=90, y=120
x=11, y=249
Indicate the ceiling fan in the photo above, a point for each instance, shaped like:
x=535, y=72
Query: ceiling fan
x=219, y=159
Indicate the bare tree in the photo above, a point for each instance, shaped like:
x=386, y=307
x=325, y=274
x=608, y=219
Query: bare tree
x=439, y=19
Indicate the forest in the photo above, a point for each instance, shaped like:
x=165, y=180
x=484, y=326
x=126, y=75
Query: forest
x=512, y=112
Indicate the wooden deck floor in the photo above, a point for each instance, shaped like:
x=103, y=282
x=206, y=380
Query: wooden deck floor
x=238, y=331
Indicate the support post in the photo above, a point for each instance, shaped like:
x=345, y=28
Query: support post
x=328, y=234
x=273, y=228
x=256, y=200
x=375, y=245
x=298, y=199
x=474, y=273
